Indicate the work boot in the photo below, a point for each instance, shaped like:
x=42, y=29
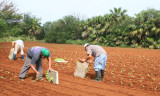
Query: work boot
x=102, y=74
x=22, y=79
x=22, y=57
x=98, y=76
x=14, y=57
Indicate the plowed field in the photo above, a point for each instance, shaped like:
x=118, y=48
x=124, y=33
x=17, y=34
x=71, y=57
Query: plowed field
x=129, y=72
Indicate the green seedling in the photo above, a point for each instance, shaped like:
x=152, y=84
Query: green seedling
x=33, y=81
x=47, y=72
x=131, y=84
x=132, y=71
x=143, y=86
x=112, y=72
x=121, y=82
x=37, y=77
x=153, y=79
x=8, y=72
x=2, y=77
x=26, y=76
x=51, y=79
x=31, y=78
x=155, y=88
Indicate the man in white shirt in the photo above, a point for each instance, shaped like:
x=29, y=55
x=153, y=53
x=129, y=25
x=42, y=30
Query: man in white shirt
x=18, y=45
x=100, y=58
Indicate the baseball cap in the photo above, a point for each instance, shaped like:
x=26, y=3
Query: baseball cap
x=45, y=52
x=85, y=45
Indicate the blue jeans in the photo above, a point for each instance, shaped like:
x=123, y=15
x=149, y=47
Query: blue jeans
x=100, y=62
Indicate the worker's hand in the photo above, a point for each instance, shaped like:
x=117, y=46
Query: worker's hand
x=38, y=73
x=90, y=62
x=81, y=60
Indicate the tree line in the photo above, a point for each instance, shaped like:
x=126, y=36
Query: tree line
x=115, y=29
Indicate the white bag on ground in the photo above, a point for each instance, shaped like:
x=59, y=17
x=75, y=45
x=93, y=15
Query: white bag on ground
x=81, y=69
x=11, y=54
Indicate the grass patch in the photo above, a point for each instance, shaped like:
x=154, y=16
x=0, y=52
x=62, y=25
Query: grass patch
x=22, y=37
x=78, y=41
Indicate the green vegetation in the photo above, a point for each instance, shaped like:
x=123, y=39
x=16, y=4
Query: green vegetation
x=59, y=59
x=17, y=26
x=51, y=79
x=22, y=37
x=115, y=29
x=118, y=29
x=62, y=30
x=47, y=73
x=78, y=41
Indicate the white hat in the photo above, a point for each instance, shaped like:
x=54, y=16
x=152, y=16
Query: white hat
x=85, y=45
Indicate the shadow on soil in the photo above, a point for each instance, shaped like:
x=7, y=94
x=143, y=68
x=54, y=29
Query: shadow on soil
x=33, y=76
x=91, y=75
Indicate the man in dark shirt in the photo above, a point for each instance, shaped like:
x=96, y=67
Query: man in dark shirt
x=100, y=58
x=34, y=56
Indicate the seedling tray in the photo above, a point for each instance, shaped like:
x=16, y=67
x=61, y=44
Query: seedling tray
x=52, y=76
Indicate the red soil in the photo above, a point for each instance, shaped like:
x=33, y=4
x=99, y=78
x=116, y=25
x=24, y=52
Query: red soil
x=129, y=72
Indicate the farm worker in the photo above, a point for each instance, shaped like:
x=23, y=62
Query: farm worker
x=18, y=45
x=100, y=58
x=35, y=55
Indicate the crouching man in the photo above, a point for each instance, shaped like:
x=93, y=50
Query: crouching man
x=35, y=55
x=18, y=45
x=100, y=58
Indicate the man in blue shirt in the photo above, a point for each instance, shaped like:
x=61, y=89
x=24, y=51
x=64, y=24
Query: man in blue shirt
x=34, y=56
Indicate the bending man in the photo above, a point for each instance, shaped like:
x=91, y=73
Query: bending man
x=18, y=45
x=100, y=58
x=35, y=55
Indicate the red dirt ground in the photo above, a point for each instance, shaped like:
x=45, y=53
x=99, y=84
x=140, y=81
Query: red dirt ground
x=129, y=72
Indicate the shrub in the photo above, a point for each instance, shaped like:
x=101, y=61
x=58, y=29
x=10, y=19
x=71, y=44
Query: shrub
x=78, y=41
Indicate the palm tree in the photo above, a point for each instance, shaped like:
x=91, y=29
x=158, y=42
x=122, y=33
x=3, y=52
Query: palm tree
x=147, y=32
x=35, y=27
x=117, y=14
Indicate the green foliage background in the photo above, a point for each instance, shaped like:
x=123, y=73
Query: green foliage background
x=115, y=29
